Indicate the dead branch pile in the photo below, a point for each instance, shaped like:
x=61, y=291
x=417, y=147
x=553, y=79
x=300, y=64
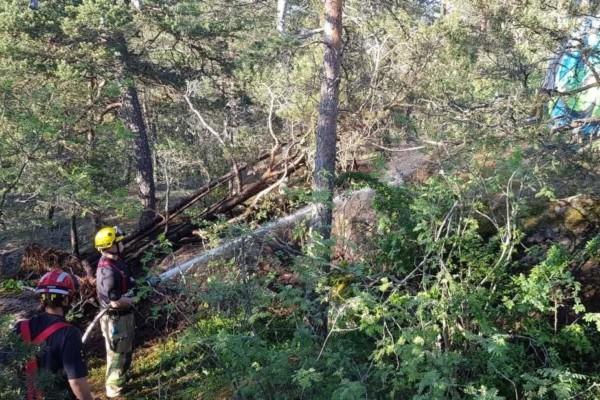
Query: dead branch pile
x=38, y=260
x=87, y=287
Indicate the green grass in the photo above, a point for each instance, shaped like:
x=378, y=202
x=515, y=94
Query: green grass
x=177, y=367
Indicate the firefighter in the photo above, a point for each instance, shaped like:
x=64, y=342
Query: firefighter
x=114, y=285
x=61, y=348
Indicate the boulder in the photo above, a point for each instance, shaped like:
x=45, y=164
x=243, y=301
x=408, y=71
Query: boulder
x=412, y=166
x=354, y=223
x=10, y=262
x=19, y=305
x=589, y=277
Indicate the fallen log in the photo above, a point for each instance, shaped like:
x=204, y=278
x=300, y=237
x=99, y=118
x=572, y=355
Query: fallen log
x=185, y=229
x=142, y=239
x=266, y=233
x=186, y=202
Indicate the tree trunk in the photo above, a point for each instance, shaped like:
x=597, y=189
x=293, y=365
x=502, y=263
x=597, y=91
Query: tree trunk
x=281, y=14
x=96, y=220
x=132, y=115
x=324, y=170
x=74, y=238
x=131, y=112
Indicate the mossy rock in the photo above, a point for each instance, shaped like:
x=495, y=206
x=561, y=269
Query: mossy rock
x=581, y=214
x=536, y=214
x=571, y=220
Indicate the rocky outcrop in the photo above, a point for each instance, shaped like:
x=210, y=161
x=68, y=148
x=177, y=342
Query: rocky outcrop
x=569, y=222
x=589, y=277
x=19, y=305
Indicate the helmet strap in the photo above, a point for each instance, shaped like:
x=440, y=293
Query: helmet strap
x=45, y=304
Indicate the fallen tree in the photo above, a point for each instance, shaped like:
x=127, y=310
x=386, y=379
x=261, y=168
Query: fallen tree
x=265, y=233
x=175, y=228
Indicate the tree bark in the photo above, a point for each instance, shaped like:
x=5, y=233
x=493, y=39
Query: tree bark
x=96, y=220
x=324, y=170
x=132, y=116
x=74, y=238
x=281, y=15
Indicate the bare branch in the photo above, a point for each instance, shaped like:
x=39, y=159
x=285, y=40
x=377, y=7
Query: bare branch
x=203, y=121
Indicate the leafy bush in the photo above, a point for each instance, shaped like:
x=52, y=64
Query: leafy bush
x=444, y=310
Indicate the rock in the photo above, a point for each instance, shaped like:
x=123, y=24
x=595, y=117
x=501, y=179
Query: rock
x=183, y=254
x=589, y=277
x=566, y=242
x=582, y=213
x=20, y=306
x=569, y=221
x=407, y=167
x=354, y=222
x=10, y=262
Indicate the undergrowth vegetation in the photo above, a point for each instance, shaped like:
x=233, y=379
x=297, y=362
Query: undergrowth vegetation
x=450, y=304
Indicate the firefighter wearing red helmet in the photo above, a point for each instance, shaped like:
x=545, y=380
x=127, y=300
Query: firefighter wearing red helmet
x=61, y=349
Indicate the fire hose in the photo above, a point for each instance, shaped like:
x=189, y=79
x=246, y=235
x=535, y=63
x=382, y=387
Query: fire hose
x=90, y=327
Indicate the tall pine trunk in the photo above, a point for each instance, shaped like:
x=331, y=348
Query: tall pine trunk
x=131, y=114
x=324, y=170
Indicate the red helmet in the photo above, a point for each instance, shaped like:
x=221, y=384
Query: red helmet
x=57, y=282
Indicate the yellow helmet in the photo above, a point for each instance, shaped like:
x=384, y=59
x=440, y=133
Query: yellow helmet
x=108, y=236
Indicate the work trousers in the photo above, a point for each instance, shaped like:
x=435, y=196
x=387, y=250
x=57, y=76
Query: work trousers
x=118, y=332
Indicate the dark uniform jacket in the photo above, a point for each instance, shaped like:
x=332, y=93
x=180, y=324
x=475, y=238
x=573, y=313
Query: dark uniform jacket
x=113, y=280
x=62, y=352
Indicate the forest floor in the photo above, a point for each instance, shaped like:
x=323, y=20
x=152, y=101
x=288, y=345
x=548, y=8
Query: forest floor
x=166, y=368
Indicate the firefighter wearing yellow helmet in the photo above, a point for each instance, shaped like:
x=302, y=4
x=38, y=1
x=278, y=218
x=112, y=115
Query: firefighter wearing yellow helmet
x=114, y=286
x=107, y=237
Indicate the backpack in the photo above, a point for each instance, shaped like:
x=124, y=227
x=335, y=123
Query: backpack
x=31, y=367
